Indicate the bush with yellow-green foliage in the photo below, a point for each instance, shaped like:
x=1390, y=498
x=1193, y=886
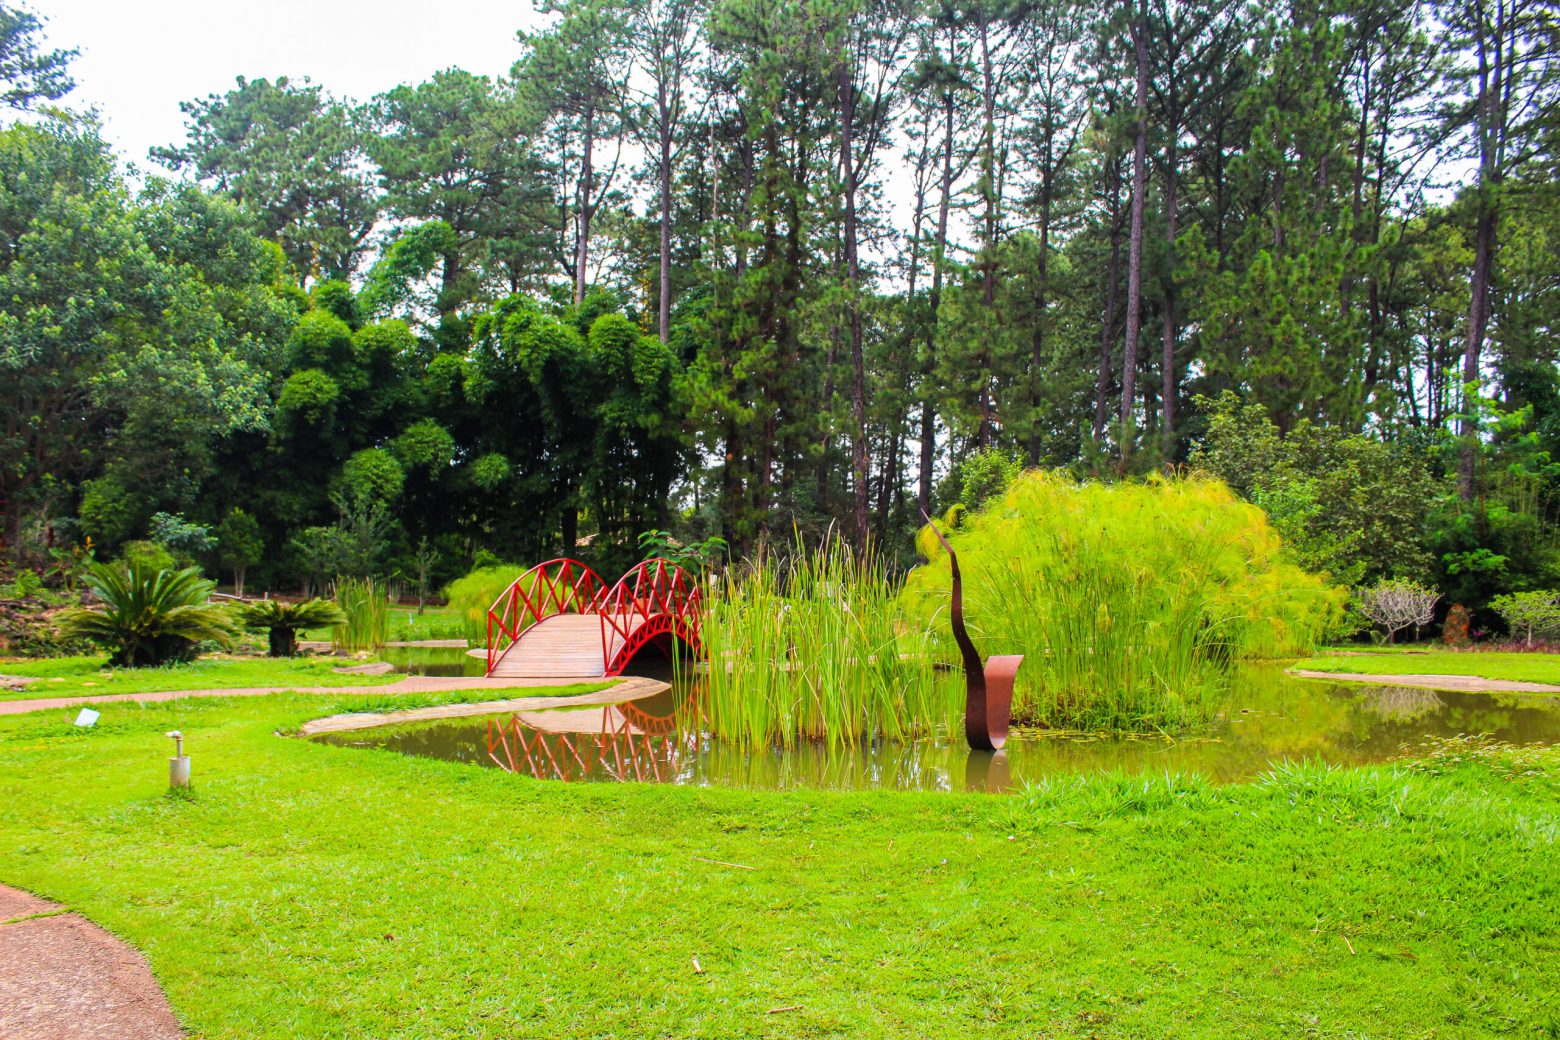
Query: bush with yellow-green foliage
x=470, y=596
x=1131, y=602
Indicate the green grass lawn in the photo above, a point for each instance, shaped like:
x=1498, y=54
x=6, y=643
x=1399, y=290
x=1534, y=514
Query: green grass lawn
x=1519, y=667
x=313, y=891
x=91, y=676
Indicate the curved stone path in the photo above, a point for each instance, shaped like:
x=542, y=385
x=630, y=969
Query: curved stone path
x=64, y=978
x=410, y=684
x=1464, y=683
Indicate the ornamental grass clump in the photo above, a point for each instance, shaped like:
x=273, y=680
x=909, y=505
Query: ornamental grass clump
x=365, y=606
x=150, y=616
x=1131, y=602
x=812, y=646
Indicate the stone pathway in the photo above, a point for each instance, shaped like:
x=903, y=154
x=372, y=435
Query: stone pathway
x=411, y=684
x=64, y=978
x=1466, y=683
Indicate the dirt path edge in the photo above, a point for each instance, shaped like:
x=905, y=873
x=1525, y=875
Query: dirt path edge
x=1462, y=683
x=64, y=978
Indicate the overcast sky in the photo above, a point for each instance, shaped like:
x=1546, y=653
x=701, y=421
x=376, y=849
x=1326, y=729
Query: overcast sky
x=140, y=59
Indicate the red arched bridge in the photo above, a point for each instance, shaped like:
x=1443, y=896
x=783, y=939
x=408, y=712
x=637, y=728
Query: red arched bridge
x=560, y=619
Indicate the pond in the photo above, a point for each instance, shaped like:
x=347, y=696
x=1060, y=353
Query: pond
x=1271, y=717
x=442, y=661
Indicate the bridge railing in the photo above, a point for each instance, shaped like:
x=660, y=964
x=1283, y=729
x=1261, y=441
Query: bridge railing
x=561, y=586
x=656, y=586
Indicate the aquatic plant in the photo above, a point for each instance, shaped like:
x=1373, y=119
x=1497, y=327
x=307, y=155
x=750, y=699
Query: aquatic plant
x=811, y=645
x=365, y=605
x=150, y=616
x=1130, y=601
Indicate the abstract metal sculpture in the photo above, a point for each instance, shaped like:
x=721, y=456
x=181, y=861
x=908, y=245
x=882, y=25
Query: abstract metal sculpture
x=988, y=688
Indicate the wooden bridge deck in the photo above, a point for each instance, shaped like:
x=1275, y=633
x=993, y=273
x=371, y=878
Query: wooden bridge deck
x=564, y=645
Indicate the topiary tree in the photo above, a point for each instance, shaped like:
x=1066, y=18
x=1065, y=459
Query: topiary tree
x=149, y=617
x=1396, y=603
x=282, y=621
x=1529, y=612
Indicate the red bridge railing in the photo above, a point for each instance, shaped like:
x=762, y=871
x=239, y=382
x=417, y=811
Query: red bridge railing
x=561, y=586
x=656, y=599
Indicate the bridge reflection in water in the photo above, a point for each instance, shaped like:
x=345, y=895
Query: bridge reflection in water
x=660, y=740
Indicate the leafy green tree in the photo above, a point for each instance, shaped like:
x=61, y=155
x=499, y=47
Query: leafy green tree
x=239, y=545
x=451, y=150
x=28, y=73
x=294, y=158
x=1529, y=612
x=1351, y=506
x=575, y=76
x=143, y=326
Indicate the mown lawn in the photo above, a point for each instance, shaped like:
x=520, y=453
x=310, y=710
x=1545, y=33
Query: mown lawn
x=91, y=676
x=314, y=891
x=1491, y=664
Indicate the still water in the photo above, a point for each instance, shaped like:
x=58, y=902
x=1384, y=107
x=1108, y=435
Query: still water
x=429, y=660
x=1271, y=717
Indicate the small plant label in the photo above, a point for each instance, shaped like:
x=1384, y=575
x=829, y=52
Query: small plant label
x=88, y=717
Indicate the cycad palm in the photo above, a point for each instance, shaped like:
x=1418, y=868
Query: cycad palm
x=281, y=621
x=149, y=616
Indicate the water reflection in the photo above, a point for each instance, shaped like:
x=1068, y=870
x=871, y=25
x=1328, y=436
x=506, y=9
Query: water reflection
x=433, y=660
x=1270, y=717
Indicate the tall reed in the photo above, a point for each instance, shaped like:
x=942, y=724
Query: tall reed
x=1131, y=602
x=812, y=646
x=367, y=606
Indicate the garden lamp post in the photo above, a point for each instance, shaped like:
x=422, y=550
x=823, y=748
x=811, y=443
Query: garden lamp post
x=179, y=764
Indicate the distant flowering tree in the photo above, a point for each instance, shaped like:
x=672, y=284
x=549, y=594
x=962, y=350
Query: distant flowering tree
x=1396, y=603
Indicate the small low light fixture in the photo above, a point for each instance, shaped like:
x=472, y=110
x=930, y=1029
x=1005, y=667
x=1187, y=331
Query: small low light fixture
x=179, y=764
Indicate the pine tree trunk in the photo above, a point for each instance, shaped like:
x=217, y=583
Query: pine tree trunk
x=1168, y=379
x=582, y=212
x=665, y=316
x=1135, y=239
x=858, y=377
x=934, y=307
x=1108, y=322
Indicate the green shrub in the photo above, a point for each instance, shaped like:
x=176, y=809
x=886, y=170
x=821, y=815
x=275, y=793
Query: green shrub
x=1131, y=602
x=148, y=556
x=150, y=616
x=813, y=647
x=470, y=596
x=27, y=584
x=281, y=621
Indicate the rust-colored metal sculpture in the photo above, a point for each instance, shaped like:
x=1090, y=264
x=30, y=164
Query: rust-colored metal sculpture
x=988, y=687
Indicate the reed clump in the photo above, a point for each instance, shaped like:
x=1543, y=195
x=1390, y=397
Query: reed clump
x=1132, y=602
x=812, y=645
x=365, y=603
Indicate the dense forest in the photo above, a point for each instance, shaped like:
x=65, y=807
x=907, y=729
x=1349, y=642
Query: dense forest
x=741, y=268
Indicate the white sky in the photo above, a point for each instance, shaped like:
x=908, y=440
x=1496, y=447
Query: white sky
x=140, y=59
